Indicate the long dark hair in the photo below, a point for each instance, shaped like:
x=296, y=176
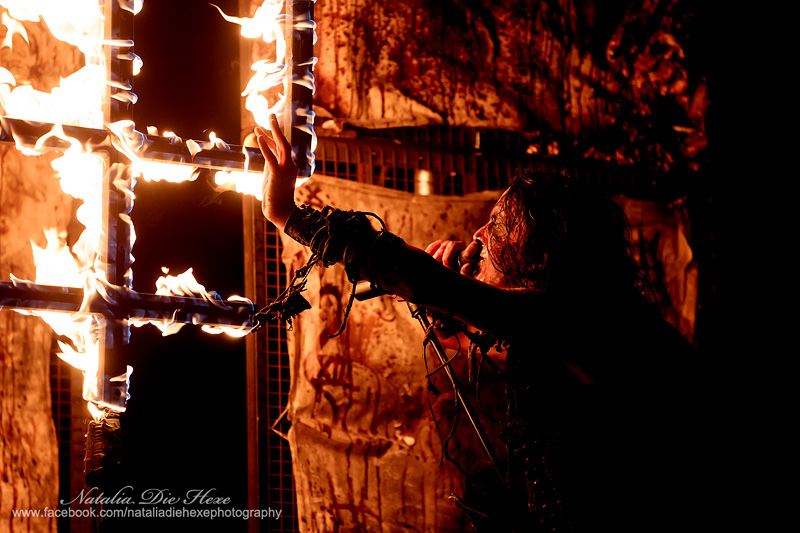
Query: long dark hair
x=554, y=235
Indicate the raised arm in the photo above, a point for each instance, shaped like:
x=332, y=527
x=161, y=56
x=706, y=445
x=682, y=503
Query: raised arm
x=386, y=260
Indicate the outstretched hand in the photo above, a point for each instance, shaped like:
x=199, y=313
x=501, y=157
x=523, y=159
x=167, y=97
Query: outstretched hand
x=280, y=176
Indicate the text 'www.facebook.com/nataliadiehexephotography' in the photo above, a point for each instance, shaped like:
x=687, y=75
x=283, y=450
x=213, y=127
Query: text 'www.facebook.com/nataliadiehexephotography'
x=149, y=503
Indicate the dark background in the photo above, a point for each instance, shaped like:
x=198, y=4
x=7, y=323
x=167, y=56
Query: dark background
x=184, y=428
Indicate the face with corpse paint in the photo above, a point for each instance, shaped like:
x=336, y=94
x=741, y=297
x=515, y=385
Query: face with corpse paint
x=523, y=243
x=525, y=233
x=487, y=244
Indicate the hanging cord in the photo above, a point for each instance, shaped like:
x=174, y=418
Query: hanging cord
x=473, y=515
x=476, y=518
x=428, y=333
x=481, y=342
x=289, y=303
x=351, y=270
x=431, y=330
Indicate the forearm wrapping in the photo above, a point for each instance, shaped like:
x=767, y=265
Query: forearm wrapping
x=377, y=256
x=303, y=224
x=335, y=235
x=391, y=265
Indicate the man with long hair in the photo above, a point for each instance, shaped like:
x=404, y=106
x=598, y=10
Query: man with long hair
x=594, y=434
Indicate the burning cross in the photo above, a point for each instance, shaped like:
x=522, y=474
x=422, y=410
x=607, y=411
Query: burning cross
x=108, y=300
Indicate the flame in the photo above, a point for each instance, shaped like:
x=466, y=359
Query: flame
x=78, y=333
x=241, y=182
x=163, y=171
x=54, y=263
x=185, y=284
x=14, y=27
x=268, y=23
x=79, y=100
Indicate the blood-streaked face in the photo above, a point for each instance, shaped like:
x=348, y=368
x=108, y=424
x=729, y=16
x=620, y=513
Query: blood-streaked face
x=487, y=236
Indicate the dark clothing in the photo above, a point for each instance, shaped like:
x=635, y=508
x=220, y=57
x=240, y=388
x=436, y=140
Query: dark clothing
x=607, y=456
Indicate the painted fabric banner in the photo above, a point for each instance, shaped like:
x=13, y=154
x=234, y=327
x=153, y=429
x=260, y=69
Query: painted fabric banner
x=366, y=450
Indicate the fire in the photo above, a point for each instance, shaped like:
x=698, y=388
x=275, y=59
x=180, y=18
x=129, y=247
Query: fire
x=242, y=182
x=270, y=23
x=78, y=333
x=80, y=100
x=56, y=266
x=185, y=284
x=76, y=101
x=54, y=263
x=14, y=27
x=265, y=24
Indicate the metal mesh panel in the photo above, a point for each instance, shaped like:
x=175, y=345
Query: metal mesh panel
x=429, y=160
x=70, y=417
x=458, y=161
x=275, y=460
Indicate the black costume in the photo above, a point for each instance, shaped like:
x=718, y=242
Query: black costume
x=607, y=456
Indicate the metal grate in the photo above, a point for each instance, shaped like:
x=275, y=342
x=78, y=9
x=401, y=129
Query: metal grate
x=275, y=472
x=70, y=417
x=429, y=160
x=457, y=161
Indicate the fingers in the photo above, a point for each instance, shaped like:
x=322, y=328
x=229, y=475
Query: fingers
x=472, y=250
x=446, y=252
x=267, y=147
x=450, y=254
x=276, y=146
x=281, y=140
x=279, y=181
x=467, y=269
x=432, y=247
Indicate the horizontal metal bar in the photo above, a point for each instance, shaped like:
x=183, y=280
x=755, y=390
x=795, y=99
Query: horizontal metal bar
x=32, y=297
x=200, y=154
x=122, y=303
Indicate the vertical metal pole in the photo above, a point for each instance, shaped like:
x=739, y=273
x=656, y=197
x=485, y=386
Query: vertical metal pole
x=116, y=249
x=299, y=35
x=103, y=445
x=104, y=436
x=419, y=313
x=250, y=211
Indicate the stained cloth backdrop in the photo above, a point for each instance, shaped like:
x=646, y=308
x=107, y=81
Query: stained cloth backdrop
x=664, y=250
x=366, y=451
